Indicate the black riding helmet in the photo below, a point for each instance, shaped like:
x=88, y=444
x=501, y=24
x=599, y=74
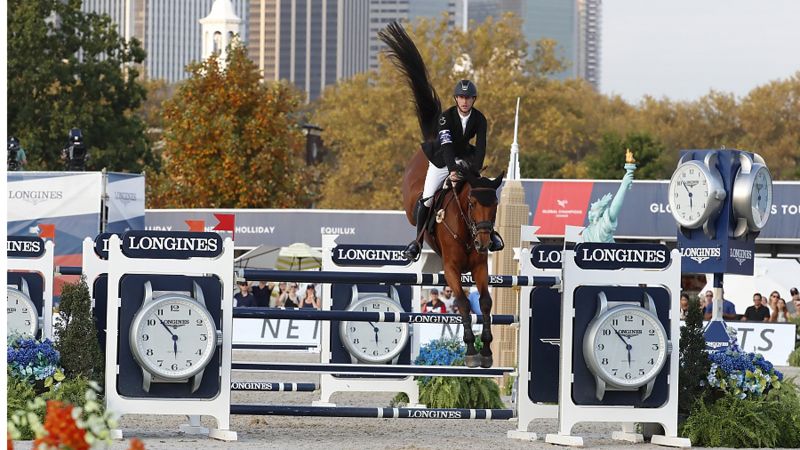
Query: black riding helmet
x=465, y=87
x=13, y=143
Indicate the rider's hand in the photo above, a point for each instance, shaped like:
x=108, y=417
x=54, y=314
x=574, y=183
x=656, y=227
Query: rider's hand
x=455, y=176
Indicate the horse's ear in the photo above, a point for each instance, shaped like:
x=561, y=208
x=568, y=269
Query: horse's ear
x=498, y=181
x=469, y=177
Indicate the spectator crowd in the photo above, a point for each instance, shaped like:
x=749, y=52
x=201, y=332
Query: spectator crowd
x=764, y=309
x=275, y=295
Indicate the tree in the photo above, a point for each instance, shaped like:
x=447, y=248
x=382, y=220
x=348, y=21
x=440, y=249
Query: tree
x=70, y=69
x=609, y=159
x=76, y=333
x=231, y=141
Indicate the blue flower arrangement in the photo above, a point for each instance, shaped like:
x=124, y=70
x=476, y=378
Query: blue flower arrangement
x=741, y=373
x=441, y=352
x=33, y=360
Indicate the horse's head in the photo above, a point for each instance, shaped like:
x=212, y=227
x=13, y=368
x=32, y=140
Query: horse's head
x=481, y=198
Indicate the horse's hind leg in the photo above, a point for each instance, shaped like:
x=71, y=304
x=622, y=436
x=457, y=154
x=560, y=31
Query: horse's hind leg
x=472, y=359
x=486, y=333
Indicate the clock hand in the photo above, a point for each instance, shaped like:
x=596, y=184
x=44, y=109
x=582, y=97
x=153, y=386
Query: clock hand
x=690, y=194
x=165, y=326
x=175, y=345
x=375, y=329
x=620, y=336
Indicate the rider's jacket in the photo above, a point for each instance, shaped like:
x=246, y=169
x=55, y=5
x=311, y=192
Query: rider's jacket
x=453, y=141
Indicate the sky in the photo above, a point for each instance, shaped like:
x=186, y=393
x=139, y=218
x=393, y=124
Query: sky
x=681, y=49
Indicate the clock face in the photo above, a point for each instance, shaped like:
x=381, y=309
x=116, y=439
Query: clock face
x=173, y=337
x=689, y=195
x=21, y=314
x=761, y=199
x=628, y=346
x=374, y=342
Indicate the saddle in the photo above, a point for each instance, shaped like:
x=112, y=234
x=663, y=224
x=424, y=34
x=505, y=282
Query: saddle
x=438, y=204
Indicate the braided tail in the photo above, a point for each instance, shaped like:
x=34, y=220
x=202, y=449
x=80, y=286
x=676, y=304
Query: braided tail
x=405, y=56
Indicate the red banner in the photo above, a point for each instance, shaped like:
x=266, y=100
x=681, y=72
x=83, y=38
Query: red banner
x=562, y=203
x=226, y=223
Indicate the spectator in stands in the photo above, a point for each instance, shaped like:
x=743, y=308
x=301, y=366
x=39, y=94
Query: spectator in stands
x=705, y=301
x=794, y=305
x=261, y=294
x=277, y=293
x=781, y=313
x=474, y=298
x=244, y=298
x=290, y=299
x=684, y=306
x=435, y=304
x=773, y=300
x=447, y=298
x=310, y=300
x=728, y=308
x=758, y=312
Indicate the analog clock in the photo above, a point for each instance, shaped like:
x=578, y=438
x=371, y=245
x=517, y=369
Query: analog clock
x=752, y=194
x=696, y=192
x=374, y=342
x=625, y=346
x=22, y=317
x=173, y=337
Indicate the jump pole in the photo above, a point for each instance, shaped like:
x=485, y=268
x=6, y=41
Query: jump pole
x=377, y=413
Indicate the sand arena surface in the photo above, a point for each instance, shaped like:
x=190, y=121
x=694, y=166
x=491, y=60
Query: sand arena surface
x=329, y=433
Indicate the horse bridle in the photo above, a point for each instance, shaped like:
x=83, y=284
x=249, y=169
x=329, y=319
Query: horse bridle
x=474, y=227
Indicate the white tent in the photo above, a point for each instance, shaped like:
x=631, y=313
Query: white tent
x=769, y=274
x=261, y=257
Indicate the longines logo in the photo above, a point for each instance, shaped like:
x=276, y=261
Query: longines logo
x=175, y=323
x=176, y=244
x=436, y=318
x=717, y=344
x=615, y=256
x=368, y=255
x=741, y=255
x=172, y=243
x=26, y=246
x=630, y=333
x=555, y=342
x=125, y=197
x=700, y=254
x=35, y=197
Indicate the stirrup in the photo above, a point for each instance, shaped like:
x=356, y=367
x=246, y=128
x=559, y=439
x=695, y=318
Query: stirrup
x=412, y=251
x=497, y=242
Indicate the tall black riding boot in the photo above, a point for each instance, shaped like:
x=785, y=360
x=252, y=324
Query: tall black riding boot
x=413, y=249
x=497, y=242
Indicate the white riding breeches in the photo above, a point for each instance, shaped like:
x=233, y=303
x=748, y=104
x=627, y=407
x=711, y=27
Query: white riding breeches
x=434, y=179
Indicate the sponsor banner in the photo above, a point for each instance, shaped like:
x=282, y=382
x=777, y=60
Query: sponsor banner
x=171, y=245
x=368, y=255
x=561, y=203
x=593, y=255
x=125, y=199
x=24, y=247
x=773, y=340
x=34, y=195
x=276, y=332
x=741, y=256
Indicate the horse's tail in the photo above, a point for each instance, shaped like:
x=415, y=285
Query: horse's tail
x=405, y=56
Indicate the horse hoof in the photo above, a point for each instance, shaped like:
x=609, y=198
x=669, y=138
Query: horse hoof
x=486, y=361
x=472, y=360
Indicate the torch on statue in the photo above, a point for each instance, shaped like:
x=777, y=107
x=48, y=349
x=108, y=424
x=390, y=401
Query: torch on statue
x=603, y=212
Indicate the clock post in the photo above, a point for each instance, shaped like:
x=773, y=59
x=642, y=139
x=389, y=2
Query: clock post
x=720, y=199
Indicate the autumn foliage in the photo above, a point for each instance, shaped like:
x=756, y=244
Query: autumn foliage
x=231, y=141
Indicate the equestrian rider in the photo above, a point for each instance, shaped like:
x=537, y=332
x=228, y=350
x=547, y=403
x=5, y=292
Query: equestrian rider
x=451, y=154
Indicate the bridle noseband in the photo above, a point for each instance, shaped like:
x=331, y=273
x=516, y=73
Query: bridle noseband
x=474, y=227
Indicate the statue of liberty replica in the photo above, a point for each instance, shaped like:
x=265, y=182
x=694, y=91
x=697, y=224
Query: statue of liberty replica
x=603, y=212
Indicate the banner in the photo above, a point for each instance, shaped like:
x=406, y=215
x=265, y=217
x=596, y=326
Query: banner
x=125, y=202
x=276, y=332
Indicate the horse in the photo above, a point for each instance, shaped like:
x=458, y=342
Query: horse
x=462, y=233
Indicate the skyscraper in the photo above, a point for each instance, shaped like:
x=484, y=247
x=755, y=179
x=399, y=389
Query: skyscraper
x=168, y=29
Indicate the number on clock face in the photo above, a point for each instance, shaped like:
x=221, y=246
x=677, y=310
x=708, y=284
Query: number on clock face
x=175, y=338
x=629, y=346
x=761, y=200
x=375, y=340
x=21, y=315
x=689, y=193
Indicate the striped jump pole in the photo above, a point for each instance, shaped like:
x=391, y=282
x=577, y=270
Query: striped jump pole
x=377, y=413
x=412, y=279
x=363, y=316
x=373, y=369
x=270, y=386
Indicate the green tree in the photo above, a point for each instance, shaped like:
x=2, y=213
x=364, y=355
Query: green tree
x=231, y=141
x=70, y=69
x=76, y=334
x=609, y=158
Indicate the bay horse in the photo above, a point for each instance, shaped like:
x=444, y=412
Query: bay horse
x=462, y=236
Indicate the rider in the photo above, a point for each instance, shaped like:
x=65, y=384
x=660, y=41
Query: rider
x=451, y=154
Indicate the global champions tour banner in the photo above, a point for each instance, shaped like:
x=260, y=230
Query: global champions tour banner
x=553, y=203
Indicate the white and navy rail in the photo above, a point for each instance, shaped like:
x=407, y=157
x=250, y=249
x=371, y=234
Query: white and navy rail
x=389, y=278
x=272, y=386
x=377, y=413
x=372, y=369
x=364, y=316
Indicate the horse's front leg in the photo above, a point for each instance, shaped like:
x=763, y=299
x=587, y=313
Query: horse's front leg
x=482, y=282
x=472, y=359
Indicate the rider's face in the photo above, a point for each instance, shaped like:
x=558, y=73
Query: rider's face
x=465, y=103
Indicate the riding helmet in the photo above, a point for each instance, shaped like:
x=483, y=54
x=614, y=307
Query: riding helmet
x=465, y=87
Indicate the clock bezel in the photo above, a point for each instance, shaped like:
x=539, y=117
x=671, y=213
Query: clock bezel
x=743, y=185
x=590, y=356
x=20, y=293
x=714, y=199
x=343, y=333
x=155, y=303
